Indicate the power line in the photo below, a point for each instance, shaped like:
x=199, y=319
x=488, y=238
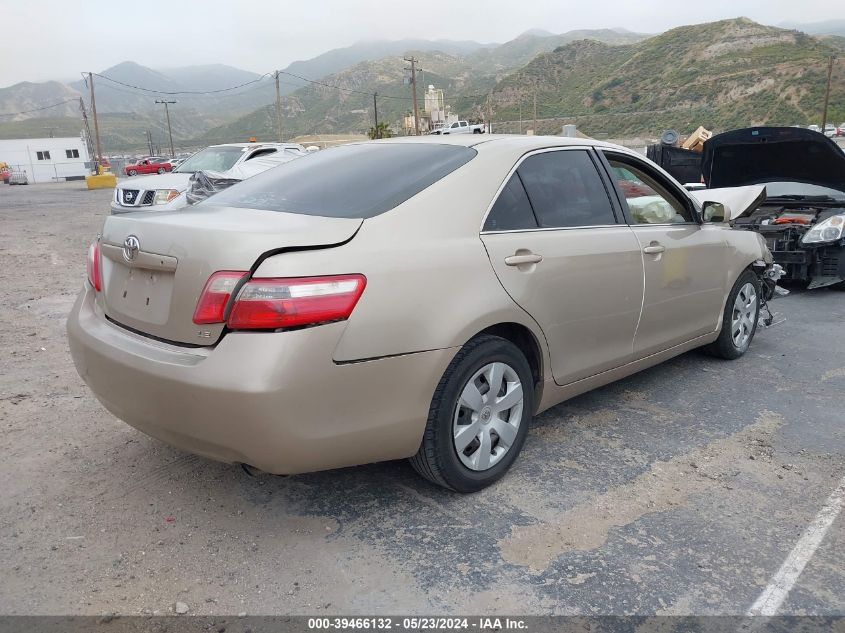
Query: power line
x=37, y=109
x=185, y=92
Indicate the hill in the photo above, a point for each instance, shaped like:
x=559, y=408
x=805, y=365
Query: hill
x=28, y=98
x=722, y=75
x=464, y=79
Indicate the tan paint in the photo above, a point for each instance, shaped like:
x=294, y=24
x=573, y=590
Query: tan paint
x=359, y=391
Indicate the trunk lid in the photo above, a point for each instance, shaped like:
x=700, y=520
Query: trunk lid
x=154, y=266
x=772, y=154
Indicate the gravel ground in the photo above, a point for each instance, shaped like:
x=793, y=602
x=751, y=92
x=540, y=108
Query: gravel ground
x=677, y=491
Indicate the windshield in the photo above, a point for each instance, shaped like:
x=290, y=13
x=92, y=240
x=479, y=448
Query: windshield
x=778, y=189
x=350, y=181
x=211, y=159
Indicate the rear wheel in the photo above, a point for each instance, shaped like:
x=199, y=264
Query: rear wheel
x=161, y=170
x=739, y=322
x=479, y=416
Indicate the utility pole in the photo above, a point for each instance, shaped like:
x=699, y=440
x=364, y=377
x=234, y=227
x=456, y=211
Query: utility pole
x=414, y=63
x=88, y=139
x=169, y=130
x=150, y=141
x=520, y=115
x=827, y=92
x=278, y=107
x=489, y=115
x=535, y=106
x=375, y=114
x=96, y=123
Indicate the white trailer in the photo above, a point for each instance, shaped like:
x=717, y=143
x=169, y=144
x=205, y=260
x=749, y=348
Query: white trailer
x=47, y=159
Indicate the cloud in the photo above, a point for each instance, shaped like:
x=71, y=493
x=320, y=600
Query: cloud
x=54, y=40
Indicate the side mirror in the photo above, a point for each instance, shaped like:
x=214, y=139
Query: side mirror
x=716, y=212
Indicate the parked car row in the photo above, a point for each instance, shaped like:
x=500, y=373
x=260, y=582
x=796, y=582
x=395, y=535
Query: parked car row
x=830, y=130
x=363, y=304
x=168, y=191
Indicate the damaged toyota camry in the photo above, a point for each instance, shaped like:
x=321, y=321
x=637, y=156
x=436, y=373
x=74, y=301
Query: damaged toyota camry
x=409, y=298
x=803, y=217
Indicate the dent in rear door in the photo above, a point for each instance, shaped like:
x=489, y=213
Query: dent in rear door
x=586, y=291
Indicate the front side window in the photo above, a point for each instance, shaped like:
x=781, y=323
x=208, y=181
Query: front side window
x=648, y=201
x=565, y=190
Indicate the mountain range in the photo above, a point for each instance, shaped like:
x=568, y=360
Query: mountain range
x=722, y=74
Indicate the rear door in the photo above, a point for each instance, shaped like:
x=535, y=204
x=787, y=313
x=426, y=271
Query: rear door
x=685, y=262
x=560, y=250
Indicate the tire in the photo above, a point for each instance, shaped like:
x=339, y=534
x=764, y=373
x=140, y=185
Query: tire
x=727, y=345
x=133, y=172
x=161, y=170
x=438, y=458
x=839, y=285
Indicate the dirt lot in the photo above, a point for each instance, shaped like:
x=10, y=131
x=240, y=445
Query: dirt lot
x=680, y=490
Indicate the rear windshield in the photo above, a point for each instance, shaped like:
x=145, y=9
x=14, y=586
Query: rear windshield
x=351, y=181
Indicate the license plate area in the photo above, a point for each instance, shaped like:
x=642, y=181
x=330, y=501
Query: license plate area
x=139, y=293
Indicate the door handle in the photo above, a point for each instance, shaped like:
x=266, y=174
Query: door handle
x=654, y=249
x=519, y=260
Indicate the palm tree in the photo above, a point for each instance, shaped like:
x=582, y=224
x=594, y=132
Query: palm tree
x=382, y=131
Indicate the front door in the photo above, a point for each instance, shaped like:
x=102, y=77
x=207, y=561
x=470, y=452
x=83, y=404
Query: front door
x=557, y=248
x=685, y=262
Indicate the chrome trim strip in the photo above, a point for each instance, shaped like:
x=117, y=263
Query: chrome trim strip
x=558, y=228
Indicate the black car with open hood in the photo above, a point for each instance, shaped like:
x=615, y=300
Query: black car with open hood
x=803, y=218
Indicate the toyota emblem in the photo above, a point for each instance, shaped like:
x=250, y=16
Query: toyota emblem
x=131, y=246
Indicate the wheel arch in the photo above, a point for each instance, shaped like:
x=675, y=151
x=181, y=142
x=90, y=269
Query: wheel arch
x=528, y=343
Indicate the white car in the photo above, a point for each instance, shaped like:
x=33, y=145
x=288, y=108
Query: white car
x=167, y=192
x=461, y=127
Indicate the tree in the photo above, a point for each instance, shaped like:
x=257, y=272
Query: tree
x=383, y=131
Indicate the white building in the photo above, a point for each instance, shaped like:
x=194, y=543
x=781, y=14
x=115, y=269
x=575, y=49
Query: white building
x=47, y=159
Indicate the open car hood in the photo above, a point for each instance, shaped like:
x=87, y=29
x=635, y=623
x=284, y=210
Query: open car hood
x=772, y=154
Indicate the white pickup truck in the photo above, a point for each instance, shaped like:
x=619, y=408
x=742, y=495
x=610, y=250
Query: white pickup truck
x=462, y=127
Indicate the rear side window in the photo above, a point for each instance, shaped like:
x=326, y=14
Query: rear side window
x=351, y=181
x=512, y=210
x=566, y=190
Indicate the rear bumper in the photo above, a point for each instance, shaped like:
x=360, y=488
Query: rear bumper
x=276, y=401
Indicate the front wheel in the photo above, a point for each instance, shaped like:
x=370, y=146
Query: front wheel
x=161, y=170
x=739, y=322
x=132, y=172
x=479, y=416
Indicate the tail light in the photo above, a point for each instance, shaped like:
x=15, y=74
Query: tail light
x=273, y=303
x=211, y=306
x=93, y=265
x=267, y=304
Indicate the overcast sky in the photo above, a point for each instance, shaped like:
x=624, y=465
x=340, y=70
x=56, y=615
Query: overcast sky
x=57, y=39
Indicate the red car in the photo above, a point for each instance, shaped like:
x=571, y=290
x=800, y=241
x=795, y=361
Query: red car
x=148, y=166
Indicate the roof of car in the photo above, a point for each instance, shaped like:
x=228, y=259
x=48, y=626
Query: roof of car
x=256, y=145
x=516, y=141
